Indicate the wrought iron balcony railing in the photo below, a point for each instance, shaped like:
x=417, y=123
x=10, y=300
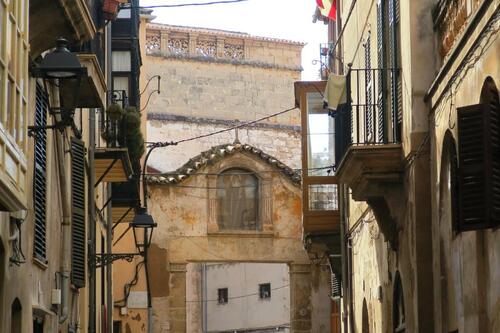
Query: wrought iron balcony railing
x=373, y=112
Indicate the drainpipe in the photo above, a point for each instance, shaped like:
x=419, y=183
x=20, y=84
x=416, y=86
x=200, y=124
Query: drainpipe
x=109, y=226
x=343, y=253
x=92, y=228
x=66, y=227
x=204, y=297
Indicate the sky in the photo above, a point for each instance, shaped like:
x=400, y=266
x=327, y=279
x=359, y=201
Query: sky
x=286, y=19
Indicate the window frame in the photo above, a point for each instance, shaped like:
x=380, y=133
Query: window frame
x=14, y=81
x=257, y=200
x=222, y=296
x=263, y=288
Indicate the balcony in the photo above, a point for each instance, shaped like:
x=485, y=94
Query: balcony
x=320, y=208
x=51, y=19
x=368, y=133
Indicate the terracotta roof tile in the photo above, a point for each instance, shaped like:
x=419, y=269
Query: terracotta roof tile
x=216, y=154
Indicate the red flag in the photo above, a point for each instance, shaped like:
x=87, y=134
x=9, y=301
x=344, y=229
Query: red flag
x=328, y=8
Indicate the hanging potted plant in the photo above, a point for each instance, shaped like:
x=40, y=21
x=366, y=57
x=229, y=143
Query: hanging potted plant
x=110, y=8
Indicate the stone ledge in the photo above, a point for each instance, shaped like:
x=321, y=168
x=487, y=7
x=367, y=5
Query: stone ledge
x=215, y=121
x=237, y=62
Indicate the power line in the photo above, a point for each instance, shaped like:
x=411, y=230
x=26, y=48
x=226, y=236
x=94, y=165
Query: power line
x=176, y=173
x=160, y=144
x=187, y=4
x=236, y=297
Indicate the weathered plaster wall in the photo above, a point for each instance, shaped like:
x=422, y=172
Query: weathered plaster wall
x=186, y=235
x=472, y=256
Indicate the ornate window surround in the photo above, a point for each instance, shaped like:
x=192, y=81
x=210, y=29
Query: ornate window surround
x=264, y=177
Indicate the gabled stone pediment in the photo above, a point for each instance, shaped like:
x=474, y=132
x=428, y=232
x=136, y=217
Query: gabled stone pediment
x=217, y=154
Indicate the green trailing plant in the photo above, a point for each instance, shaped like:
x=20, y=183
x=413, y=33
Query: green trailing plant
x=130, y=136
x=114, y=112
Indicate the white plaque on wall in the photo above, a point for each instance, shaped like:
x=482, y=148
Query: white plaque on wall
x=137, y=300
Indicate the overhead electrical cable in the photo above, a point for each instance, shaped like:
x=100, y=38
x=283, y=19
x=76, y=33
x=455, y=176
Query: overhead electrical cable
x=188, y=4
x=174, y=143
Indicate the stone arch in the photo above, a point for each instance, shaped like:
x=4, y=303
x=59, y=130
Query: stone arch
x=16, y=316
x=238, y=204
x=398, y=306
x=365, y=320
x=489, y=93
x=448, y=216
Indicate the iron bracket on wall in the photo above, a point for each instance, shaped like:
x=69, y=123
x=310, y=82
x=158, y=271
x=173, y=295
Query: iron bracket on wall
x=105, y=259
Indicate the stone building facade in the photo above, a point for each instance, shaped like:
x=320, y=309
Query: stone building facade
x=419, y=255
x=213, y=79
x=193, y=230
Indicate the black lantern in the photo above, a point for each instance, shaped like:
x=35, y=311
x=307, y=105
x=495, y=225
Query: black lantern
x=142, y=225
x=63, y=66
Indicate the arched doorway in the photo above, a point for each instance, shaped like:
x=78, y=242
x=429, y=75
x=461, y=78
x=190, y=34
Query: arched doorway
x=365, y=323
x=16, y=317
x=398, y=307
x=448, y=210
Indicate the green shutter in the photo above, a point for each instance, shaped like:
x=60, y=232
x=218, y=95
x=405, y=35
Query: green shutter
x=40, y=174
x=78, y=213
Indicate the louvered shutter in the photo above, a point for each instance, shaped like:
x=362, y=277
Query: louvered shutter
x=78, y=213
x=335, y=286
x=40, y=174
x=394, y=54
x=381, y=80
x=478, y=167
x=369, y=91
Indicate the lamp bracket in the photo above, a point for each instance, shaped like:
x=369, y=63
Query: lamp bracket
x=105, y=259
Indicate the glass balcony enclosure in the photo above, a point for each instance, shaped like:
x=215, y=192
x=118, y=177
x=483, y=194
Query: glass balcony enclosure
x=319, y=184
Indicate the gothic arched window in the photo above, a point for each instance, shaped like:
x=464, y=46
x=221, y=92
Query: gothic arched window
x=238, y=200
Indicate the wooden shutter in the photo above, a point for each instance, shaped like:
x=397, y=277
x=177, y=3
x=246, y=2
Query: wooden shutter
x=335, y=286
x=369, y=91
x=78, y=213
x=394, y=54
x=382, y=75
x=40, y=174
x=478, y=167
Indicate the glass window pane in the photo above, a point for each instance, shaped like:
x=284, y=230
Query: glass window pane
x=121, y=61
x=124, y=13
x=11, y=104
x=320, y=137
x=237, y=194
x=121, y=83
x=323, y=197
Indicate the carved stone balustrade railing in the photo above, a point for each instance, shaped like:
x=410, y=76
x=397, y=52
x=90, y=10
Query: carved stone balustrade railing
x=196, y=45
x=450, y=18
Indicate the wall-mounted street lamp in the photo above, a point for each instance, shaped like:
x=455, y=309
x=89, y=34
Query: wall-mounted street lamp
x=63, y=68
x=143, y=225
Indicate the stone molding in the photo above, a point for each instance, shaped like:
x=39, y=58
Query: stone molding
x=215, y=121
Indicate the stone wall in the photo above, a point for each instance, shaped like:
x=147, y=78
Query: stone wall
x=465, y=264
x=187, y=234
x=206, y=90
